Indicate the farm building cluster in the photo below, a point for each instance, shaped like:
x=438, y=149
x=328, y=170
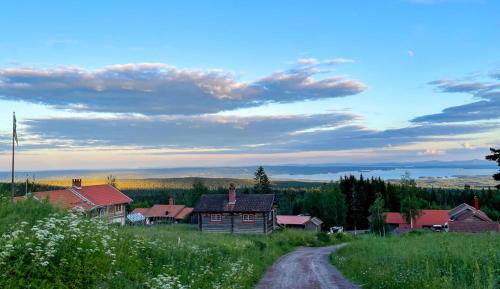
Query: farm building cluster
x=463, y=218
x=243, y=213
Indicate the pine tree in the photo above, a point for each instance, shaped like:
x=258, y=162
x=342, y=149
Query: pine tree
x=262, y=183
x=495, y=156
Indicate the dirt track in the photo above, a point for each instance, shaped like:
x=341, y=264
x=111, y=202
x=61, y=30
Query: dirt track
x=305, y=268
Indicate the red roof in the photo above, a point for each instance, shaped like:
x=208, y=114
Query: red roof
x=292, y=220
x=170, y=211
x=164, y=210
x=63, y=198
x=103, y=195
x=186, y=211
x=427, y=218
x=86, y=197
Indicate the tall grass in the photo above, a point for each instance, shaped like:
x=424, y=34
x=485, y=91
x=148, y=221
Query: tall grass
x=423, y=261
x=42, y=247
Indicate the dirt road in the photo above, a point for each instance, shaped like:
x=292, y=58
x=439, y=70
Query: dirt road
x=305, y=268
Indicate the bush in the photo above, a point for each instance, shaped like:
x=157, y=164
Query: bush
x=323, y=237
x=64, y=250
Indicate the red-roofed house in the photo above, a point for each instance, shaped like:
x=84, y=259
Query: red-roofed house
x=463, y=218
x=427, y=219
x=98, y=200
x=163, y=213
x=304, y=222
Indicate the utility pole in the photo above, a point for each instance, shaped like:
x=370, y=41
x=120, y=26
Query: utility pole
x=13, y=140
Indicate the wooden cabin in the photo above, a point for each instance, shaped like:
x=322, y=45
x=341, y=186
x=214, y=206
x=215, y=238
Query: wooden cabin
x=236, y=213
x=307, y=223
x=468, y=219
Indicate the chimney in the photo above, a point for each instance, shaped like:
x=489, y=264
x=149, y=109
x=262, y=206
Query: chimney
x=171, y=201
x=232, y=194
x=76, y=183
x=476, y=203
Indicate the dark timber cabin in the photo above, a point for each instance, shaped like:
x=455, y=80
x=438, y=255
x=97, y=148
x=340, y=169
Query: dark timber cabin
x=236, y=213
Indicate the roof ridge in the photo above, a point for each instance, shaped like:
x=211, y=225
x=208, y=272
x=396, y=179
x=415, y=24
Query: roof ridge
x=82, y=197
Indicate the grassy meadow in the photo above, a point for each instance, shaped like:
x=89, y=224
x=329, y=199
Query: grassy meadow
x=42, y=247
x=423, y=261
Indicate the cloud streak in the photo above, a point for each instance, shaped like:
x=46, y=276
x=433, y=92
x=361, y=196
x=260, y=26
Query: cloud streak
x=161, y=89
x=322, y=132
x=487, y=106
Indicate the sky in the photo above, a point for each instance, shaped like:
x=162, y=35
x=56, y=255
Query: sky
x=139, y=84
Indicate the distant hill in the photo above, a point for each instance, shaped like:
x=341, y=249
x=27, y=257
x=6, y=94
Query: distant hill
x=246, y=172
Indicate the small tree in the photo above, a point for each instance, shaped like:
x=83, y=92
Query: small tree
x=111, y=180
x=262, y=183
x=377, y=219
x=410, y=203
x=495, y=156
x=199, y=189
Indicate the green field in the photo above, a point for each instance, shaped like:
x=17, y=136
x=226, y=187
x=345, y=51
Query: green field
x=41, y=247
x=423, y=261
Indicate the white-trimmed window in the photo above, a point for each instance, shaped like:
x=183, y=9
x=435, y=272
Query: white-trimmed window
x=248, y=218
x=215, y=218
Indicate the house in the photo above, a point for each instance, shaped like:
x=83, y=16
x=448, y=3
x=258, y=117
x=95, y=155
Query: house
x=307, y=223
x=98, y=200
x=465, y=218
x=236, y=213
x=160, y=213
x=428, y=219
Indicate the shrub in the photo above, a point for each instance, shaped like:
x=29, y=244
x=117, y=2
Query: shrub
x=323, y=237
x=64, y=250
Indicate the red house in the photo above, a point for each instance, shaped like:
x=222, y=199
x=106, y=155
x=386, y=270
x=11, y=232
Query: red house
x=427, y=219
x=98, y=200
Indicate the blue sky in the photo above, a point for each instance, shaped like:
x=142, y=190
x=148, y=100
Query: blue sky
x=157, y=83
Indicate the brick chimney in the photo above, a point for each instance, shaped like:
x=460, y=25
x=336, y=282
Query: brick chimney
x=232, y=194
x=76, y=183
x=476, y=203
x=171, y=201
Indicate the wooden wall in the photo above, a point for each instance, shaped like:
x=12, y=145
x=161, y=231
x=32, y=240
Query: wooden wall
x=232, y=223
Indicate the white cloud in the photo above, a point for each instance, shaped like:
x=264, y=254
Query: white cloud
x=432, y=152
x=157, y=88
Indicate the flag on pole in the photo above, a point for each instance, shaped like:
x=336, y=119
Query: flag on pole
x=15, y=130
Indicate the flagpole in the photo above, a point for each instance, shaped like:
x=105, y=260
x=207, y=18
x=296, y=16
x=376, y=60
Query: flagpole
x=13, y=136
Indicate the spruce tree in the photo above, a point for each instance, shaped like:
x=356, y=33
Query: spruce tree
x=262, y=183
x=495, y=156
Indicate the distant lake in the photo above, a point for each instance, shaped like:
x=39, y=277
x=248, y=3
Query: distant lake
x=393, y=174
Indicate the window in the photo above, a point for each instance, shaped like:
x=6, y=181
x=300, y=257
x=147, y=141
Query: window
x=215, y=218
x=270, y=217
x=248, y=218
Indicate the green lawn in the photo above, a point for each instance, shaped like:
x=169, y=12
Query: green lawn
x=420, y=261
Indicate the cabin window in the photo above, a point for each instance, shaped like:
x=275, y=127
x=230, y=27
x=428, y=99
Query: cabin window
x=248, y=218
x=270, y=216
x=215, y=218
